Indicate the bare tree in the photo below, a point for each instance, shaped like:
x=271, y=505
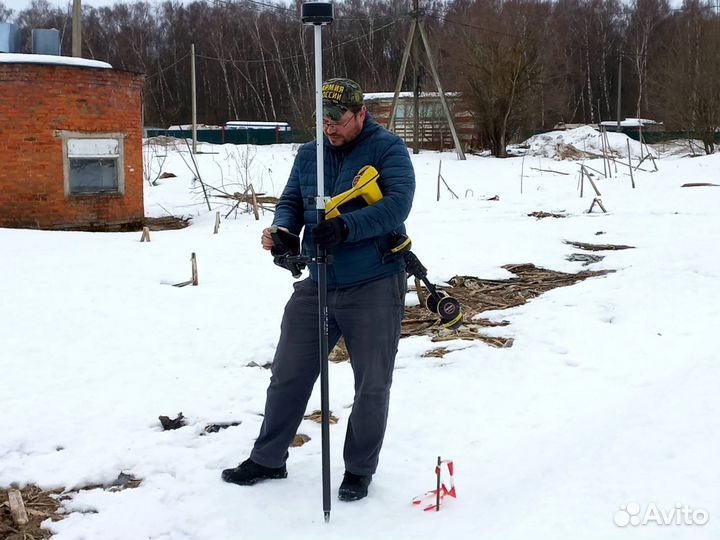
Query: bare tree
x=5, y=13
x=496, y=59
x=646, y=17
x=523, y=65
x=688, y=80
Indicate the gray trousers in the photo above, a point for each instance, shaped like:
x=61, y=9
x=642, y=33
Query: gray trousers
x=368, y=317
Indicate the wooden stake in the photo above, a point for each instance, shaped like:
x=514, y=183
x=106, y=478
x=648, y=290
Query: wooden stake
x=438, y=186
x=582, y=180
x=646, y=156
x=652, y=158
x=422, y=297
x=592, y=183
x=17, y=507
x=549, y=170
x=217, y=222
x=193, y=261
x=448, y=188
x=641, y=161
x=602, y=146
x=194, y=280
x=632, y=180
x=234, y=207
x=588, y=167
x=437, y=472
x=597, y=201
x=607, y=144
x=145, y=235
x=254, y=203
x=649, y=154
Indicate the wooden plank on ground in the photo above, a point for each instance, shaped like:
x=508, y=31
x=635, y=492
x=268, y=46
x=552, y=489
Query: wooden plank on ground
x=17, y=508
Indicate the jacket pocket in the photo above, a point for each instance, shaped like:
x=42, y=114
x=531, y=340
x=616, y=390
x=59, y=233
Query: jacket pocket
x=378, y=249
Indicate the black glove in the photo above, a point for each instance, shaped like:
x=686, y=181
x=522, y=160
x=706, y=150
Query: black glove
x=330, y=233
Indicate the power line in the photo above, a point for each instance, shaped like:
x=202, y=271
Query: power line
x=296, y=12
x=515, y=36
x=331, y=47
x=273, y=6
x=482, y=29
x=176, y=62
x=258, y=3
x=256, y=6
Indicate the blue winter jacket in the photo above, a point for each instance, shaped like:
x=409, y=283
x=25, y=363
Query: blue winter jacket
x=358, y=259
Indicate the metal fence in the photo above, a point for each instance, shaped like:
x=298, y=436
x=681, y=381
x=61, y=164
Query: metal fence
x=235, y=136
x=652, y=137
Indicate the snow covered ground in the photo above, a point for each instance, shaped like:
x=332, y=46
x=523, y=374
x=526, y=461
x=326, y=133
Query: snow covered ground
x=607, y=397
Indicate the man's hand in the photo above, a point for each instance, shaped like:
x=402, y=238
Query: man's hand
x=330, y=233
x=266, y=239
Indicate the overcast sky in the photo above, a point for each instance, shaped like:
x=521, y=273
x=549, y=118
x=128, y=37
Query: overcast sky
x=18, y=5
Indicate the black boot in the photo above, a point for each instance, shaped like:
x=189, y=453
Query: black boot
x=354, y=486
x=249, y=473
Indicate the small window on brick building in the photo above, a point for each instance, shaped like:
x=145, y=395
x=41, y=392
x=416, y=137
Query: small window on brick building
x=94, y=165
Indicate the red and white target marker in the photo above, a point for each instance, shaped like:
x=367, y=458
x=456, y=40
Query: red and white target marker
x=430, y=501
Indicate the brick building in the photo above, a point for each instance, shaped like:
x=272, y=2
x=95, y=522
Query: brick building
x=70, y=144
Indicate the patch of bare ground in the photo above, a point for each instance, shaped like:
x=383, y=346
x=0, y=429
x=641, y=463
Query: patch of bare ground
x=38, y=504
x=479, y=295
x=23, y=510
x=166, y=223
x=476, y=296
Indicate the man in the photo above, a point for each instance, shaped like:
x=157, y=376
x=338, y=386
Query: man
x=366, y=297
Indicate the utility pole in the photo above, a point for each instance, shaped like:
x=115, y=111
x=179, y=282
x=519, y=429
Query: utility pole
x=194, y=99
x=416, y=91
x=77, y=29
x=417, y=16
x=619, y=92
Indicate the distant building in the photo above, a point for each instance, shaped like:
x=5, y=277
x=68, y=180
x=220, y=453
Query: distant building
x=633, y=124
x=234, y=132
x=433, y=129
x=242, y=124
x=70, y=144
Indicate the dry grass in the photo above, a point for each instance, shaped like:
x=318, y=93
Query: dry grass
x=166, y=223
x=339, y=352
x=540, y=215
x=39, y=504
x=479, y=295
x=299, y=440
x=476, y=296
x=43, y=504
x=316, y=416
x=597, y=247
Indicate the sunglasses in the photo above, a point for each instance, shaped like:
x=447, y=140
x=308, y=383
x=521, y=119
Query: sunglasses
x=329, y=123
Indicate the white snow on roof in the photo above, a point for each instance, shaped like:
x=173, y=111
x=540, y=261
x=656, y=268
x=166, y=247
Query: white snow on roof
x=388, y=95
x=629, y=122
x=188, y=127
x=17, y=58
x=255, y=124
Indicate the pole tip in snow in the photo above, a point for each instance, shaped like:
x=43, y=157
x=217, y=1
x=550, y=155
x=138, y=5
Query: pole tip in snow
x=327, y=517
